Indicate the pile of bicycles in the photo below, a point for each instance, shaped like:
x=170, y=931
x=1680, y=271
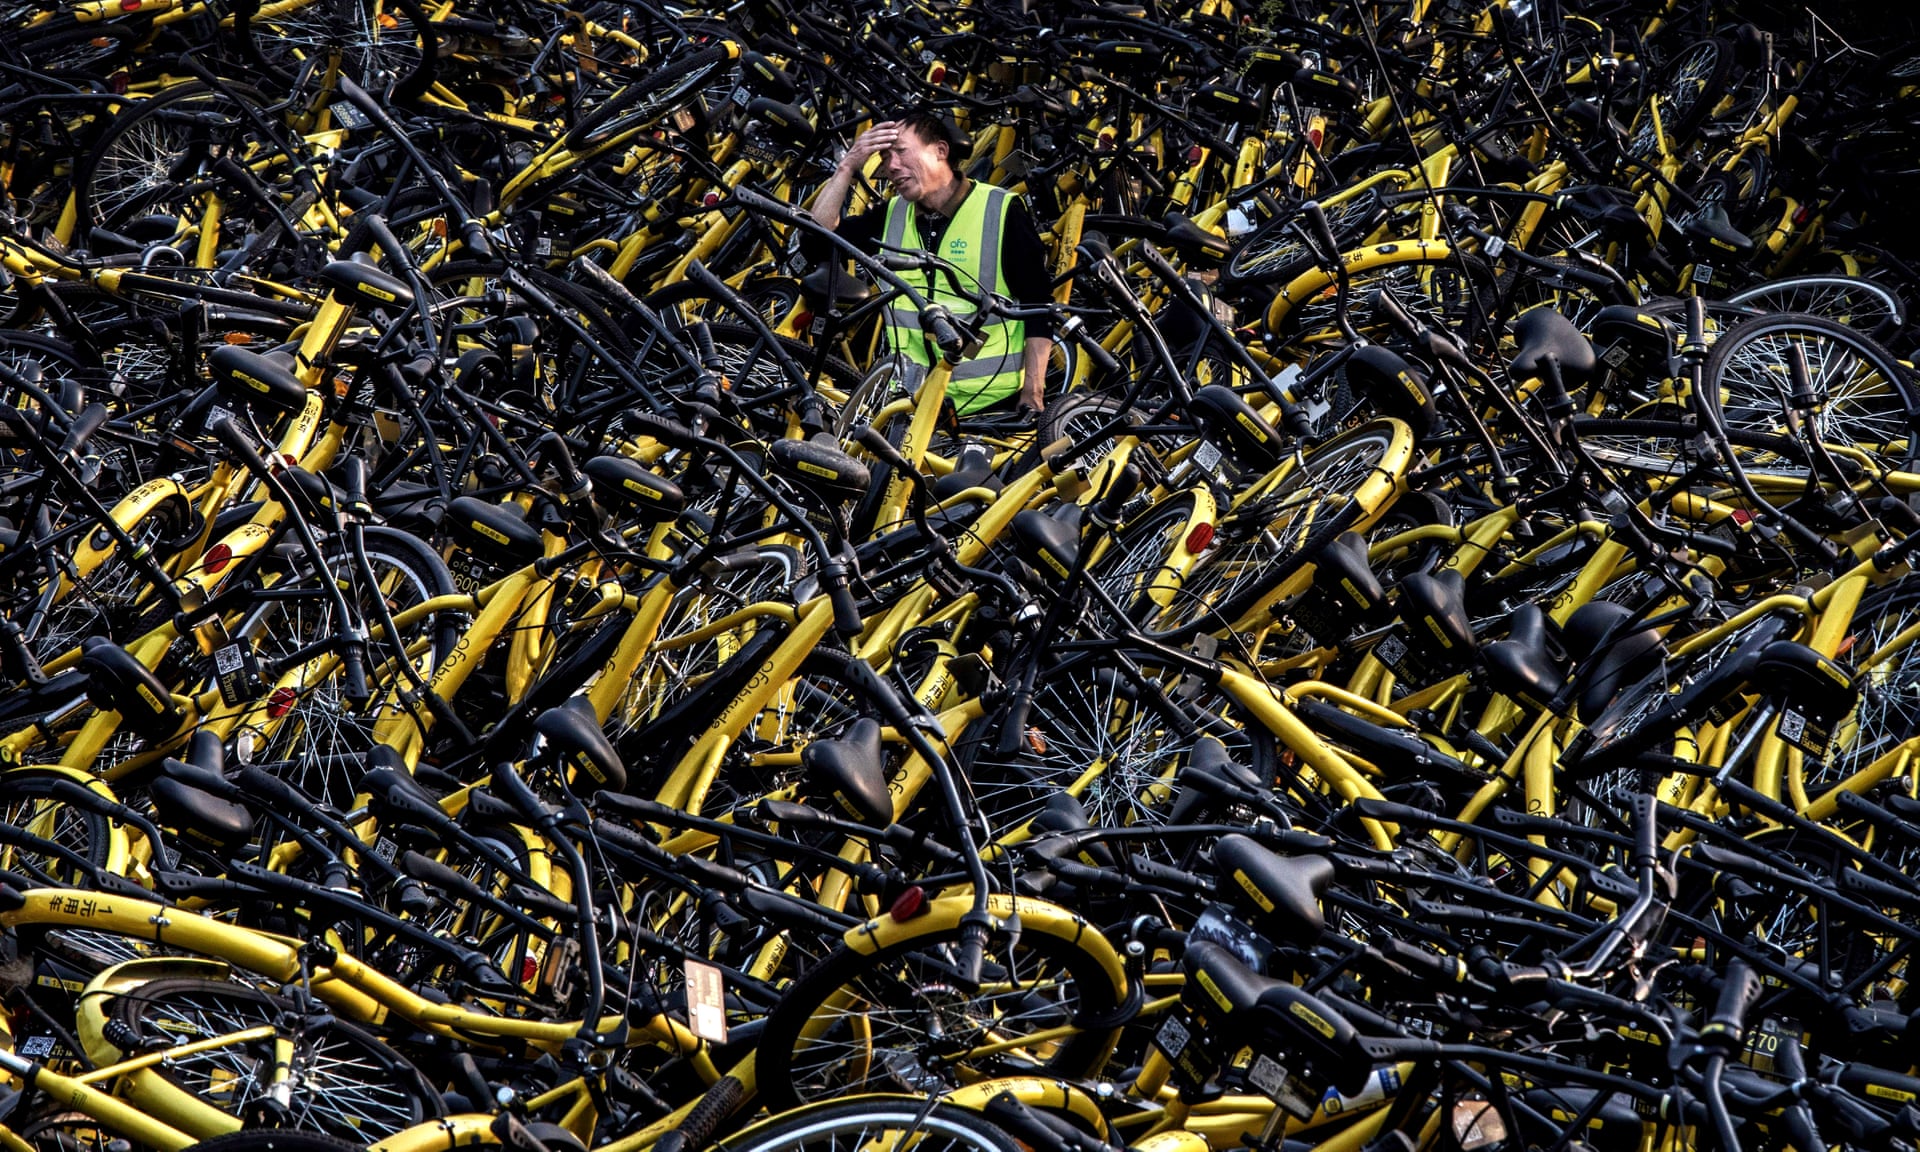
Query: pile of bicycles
x=494, y=649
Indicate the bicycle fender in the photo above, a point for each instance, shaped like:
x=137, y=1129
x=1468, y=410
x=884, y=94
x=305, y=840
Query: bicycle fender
x=1034, y=915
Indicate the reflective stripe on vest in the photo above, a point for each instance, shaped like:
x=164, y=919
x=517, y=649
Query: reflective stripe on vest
x=972, y=245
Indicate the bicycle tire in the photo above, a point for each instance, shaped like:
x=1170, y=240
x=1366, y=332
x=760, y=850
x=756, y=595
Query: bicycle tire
x=646, y=101
x=276, y=1140
x=1869, y=400
x=302, y=718
x=1273, y=252
x=390, y=1097
x=1865, y=305
x=1099, y=729
x=396, y=61
x=1262, y=548
x=1080, y=986
x=871, y=1122
x=136, y=165
x=26, y=803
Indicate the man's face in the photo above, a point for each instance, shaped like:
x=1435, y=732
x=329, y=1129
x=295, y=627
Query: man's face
x=916, y=166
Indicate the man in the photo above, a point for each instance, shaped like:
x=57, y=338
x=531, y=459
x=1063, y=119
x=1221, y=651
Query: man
x=985, y=231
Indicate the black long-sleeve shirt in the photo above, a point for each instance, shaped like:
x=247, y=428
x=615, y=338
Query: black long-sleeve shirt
x=1023, y=257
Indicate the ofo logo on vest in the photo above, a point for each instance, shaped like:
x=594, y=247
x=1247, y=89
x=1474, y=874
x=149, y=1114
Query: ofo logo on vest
x=957, y=247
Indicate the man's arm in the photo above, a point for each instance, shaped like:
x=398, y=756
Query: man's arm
x=1033, y=388
x=833, y=194
x=1024, y=262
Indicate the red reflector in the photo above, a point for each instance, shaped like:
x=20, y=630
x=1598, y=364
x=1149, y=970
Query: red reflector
x=937, y=74
x=1742, y=517
x=1316, y=135
x=710, y=199
x=130, y=5
x=1193, y=154
x=117, y=82
x=802, y=321
x=1200, y=537
x=909, y=904
x=529, y=968
x=290, y=460
x=218, y=557
x=1801, y=215
x=281, y=702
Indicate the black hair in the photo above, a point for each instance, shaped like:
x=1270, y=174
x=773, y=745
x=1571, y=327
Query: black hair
x=936, y=127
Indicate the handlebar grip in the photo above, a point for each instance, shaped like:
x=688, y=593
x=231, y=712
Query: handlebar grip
x=239, y=442
x=939, y=322
x=473, y=237
x=870, y=438
x=1102, y=359
x=391, y=245
x=1322, y=232
x=703, y=345
x=1124, y=484
x=846, y=611
x=353, y=480
x=556, y=453
x=1646, y=832
x=1384, y=303
x=1740, y=987
x=353, y=670
x=90, y=420
x=672, y=433
x=514, y=790
x=1013, y=728
x=267, y=786
x=973, y=950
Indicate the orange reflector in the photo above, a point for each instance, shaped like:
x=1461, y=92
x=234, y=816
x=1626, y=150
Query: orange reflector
x=909, y=904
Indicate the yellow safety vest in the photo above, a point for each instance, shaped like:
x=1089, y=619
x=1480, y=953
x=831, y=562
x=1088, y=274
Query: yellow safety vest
x=972, y=245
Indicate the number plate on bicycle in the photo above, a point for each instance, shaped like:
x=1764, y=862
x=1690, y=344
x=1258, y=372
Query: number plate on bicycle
x=1192, y=1064
x=463, y=568
x=1804, y=732
x=347, y=116
x=234, y=672
x=1271, y=1079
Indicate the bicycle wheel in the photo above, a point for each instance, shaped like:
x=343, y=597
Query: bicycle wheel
x=1262, y=546
x=343, y=1081
x=155, y=157
x=112, y=597
x=870, y=1124
x=306, y=723
x=1889, y=675
x=1102, y=730
x=1863, y=305
x=388, y=47
x=26, y=803
x=1687, y=91
x=640, y=104
x=1148, y=558
x=665, y=705
x=1274, y=253
x=896, y=1018
x=276, y=1140
x=1867, y=399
